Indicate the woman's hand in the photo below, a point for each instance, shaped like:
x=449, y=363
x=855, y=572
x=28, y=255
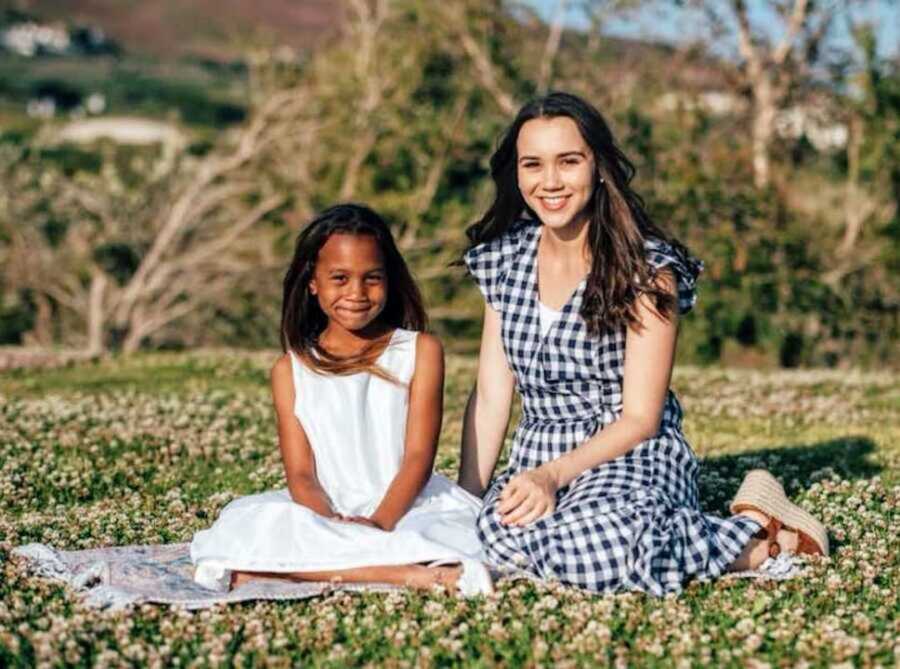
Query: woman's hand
x=528, y=496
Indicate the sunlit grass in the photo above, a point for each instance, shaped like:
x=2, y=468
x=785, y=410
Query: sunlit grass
x=148, y=449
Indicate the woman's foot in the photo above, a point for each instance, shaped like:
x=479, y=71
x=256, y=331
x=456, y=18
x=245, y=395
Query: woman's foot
x=785, y=526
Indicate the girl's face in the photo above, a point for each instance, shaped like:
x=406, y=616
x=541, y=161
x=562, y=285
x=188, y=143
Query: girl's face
x=555, y=170
x=350, y=281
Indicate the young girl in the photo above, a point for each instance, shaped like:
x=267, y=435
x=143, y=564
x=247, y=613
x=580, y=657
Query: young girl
x=583, y=294
x=358, y=399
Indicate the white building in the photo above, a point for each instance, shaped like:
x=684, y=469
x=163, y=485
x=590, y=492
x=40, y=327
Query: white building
x=122, y=130
x=26, y=39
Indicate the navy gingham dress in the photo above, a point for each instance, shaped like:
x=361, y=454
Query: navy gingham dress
x=633, y=523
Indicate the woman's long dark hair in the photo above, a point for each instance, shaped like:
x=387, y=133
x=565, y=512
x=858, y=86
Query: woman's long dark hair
x=618, y=222
x=302, y=320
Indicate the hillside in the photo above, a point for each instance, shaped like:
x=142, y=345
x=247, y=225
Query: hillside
x=209, y=29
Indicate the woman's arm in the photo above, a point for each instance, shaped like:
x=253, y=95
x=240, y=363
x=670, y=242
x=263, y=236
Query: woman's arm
x=649, y=355
x=487, y=410
x=296, y=454
x=423, y=428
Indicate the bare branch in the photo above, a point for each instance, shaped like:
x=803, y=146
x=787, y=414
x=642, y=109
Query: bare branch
x=484, y=68
x=369, y=22
x=545, y=70
x=745, y=40
x=795, y=25
x=425, y=196
x=223, y=242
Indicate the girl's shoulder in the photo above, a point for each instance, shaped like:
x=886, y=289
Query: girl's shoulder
x=281, y=377
x=422, y=346
x=403, y=353
x=427, y=357
x=282, y=368
x=428, y=346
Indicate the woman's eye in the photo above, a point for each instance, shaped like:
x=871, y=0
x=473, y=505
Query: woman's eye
x=570, y=161
x=530, y=165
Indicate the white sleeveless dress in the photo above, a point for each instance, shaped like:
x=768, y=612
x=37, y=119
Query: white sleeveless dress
x=356, y=427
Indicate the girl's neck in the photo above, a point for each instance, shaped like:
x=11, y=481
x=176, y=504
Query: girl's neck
x=340, y=341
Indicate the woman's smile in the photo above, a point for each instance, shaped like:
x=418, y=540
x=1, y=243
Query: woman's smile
x=555, y=170
x=555, y=202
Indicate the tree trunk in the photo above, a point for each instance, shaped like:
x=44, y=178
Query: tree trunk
x=95, y=344
x=764, y=112
x=42, y=332
x=134, y=331
x=853, y=211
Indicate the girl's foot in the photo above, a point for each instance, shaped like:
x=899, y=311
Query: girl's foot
x=786, y=526
x=474, y=579
x=469, y=578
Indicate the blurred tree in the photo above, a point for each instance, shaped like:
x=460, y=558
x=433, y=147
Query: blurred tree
x=117, y=248
x=774, y=60
x=128, y=260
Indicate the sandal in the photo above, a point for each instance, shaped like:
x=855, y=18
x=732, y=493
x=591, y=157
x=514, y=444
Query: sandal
x=761, y=492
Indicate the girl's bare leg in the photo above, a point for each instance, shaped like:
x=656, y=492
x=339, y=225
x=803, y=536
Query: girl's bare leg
x=408, y=575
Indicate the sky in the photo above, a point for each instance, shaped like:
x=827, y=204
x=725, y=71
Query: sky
x=661, y=22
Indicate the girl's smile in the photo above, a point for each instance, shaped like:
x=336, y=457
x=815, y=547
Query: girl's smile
x=350, y=281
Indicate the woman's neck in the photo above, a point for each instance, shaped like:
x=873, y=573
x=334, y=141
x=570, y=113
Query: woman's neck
x=568, y=244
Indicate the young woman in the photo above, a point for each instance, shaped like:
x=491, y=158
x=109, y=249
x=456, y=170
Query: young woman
x=583, y=294
x=358, y=396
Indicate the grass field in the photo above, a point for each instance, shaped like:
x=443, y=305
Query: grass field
x=148, y=449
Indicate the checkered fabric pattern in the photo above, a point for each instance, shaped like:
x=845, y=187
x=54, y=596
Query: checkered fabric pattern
x=630, y=524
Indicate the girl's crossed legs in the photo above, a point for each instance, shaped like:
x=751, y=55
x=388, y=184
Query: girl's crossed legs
x=417, y=576
x=467, y=577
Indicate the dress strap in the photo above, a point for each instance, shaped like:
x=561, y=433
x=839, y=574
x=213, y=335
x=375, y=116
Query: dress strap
x=297, y=368
x=400, y=356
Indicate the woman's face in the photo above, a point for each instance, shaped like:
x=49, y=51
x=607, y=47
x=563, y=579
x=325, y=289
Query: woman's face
x=555, y=170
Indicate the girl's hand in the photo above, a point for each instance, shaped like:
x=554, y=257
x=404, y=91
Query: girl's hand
x=361, y=520
x=528, y=496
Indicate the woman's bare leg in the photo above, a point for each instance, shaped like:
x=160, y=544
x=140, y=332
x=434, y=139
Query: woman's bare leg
x=408, y=575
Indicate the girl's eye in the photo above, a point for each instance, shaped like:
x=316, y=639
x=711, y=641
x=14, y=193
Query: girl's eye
x=338, y=278
x=375, y=278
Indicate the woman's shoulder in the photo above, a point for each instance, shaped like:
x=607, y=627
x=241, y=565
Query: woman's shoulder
x=666, y=256
x=488, y=262
x=509, y=240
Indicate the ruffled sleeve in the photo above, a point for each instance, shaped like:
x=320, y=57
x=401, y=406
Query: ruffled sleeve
x=661, y=254
x=488, y=263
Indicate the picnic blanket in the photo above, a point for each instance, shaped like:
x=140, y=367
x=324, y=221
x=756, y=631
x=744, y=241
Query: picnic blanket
x=118, y=577
x=121, y=576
